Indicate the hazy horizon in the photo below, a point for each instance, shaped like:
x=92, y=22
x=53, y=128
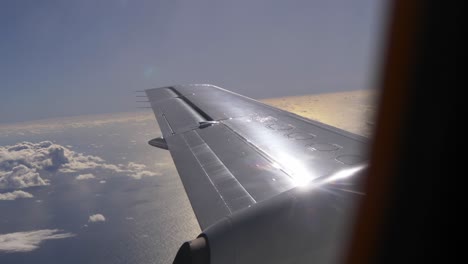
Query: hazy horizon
x=87, y=57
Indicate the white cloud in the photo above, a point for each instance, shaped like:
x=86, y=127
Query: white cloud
x=19, y=176
x=96, y=218
x=86, y=176
x=10, y=196
x=29, y=241
x=103, y=181
x=24, y=164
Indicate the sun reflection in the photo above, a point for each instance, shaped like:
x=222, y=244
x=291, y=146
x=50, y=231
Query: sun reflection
x=302, y=176
x=295, y=168
x=343, y=174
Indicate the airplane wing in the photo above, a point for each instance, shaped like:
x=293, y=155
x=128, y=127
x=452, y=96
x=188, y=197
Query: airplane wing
x=234, y=153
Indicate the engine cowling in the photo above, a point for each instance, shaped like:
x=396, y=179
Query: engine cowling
x=308, y=224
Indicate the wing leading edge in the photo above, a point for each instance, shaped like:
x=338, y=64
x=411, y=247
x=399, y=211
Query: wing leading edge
x=232, y=151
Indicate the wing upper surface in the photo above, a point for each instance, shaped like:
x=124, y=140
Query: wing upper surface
x=232, y=151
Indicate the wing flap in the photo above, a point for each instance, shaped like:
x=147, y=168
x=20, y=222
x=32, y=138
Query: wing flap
x=253, y=169
x=206, y=201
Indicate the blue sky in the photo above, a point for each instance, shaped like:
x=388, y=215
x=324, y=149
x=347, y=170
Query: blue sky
x=63, y=58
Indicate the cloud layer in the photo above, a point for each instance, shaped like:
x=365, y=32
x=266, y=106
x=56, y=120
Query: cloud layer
x=29, y=241
x=24, y=164
x=96, y=218
x=57, y=125
x=10, y=196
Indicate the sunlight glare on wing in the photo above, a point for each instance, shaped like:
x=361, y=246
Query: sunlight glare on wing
x=343, y=174
x=300, y=175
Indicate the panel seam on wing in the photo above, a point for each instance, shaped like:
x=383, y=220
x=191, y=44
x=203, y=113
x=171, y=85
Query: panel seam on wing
x=260, y=151
x=253, y=201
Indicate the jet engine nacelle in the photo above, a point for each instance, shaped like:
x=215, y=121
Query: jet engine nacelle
x=309, y=224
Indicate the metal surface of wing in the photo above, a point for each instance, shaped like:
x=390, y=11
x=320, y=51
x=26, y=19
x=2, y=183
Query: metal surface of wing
x=232, y=151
